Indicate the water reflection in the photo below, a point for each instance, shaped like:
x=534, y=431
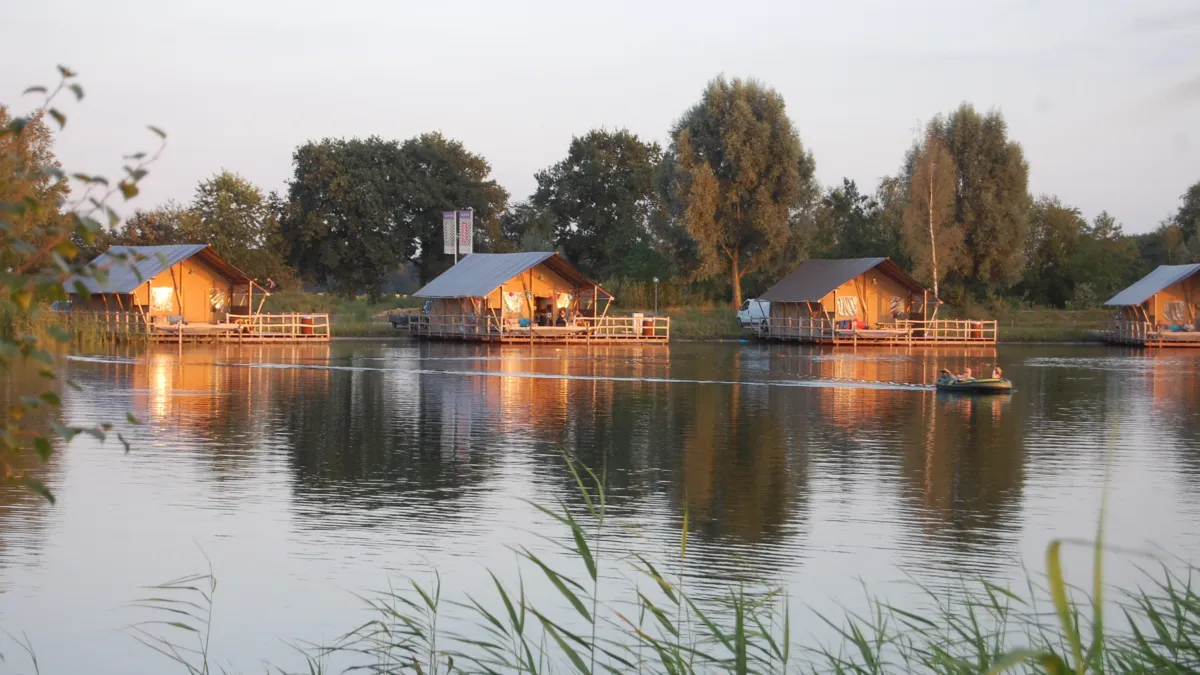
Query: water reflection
x=363, y=455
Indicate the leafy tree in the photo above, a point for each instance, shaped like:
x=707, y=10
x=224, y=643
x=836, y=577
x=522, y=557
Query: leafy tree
x=739, y=173
x=159, y=226
x=233, y=216
x=525, y=227
x=848, y=224
x=1105, y=259
x=439, y=174
x=1188, y=216
x=346, y=222
x=601, y=198
x=23, y=156
x=991, y=201
x=667, y=227
x=932, y=237
x=1049, y=277
x=40, y=235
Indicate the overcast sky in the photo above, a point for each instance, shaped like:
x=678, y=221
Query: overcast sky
x=1104, y=96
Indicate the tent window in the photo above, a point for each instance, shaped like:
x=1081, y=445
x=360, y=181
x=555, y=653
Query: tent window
x=1174, y=311
x=160, y=298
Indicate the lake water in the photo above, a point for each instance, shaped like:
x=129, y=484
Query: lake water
x=309, y=473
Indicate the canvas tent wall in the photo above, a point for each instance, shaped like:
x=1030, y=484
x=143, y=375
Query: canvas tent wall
x=513, y=285
x=187, y=280
x=1168, y=295
x=872, y=290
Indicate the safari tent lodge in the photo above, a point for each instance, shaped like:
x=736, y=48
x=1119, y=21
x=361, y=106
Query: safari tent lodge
x=861, y=301
x=1159, y=310
x=525, y=297
x=180, y=292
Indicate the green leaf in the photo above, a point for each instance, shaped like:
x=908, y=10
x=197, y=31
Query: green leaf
x=78, y=91
x=557, y=580
x=58, y=117
x=34, y=90
x=67, y=433
x=576, y=660
x=1058, y=594
x=158, y=132
x=59, y=333
x=66, y=72
x=131, y=419
x=42, y=445
x=51, y=398
x=95, y=432
x=38, y=488
x=128, y=190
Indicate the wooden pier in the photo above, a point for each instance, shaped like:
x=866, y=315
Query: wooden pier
x=1145, y=334
x=824, y=331
x=238, y=328
x=581, y=330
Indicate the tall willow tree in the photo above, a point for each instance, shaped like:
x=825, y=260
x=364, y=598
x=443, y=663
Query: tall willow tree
x=992, y=201
x=932, y=239
x=739, y=173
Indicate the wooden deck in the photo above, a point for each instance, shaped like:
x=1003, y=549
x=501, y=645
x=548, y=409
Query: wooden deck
x=583, y=330
x=241, y=328
x=941, y=332
x=1141, y=334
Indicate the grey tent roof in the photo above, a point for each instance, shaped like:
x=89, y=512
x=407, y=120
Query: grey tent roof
x=481, y=273
x=1147, y=286
x=814, y=279
x=142, y=263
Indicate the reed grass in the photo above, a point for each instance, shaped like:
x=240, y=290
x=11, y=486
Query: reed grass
x=1048, y=626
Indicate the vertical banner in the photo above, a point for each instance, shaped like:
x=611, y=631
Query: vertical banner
x=448, y=231
x=466, y=231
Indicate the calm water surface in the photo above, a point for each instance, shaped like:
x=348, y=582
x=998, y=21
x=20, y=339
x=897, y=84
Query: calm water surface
x=308, y=473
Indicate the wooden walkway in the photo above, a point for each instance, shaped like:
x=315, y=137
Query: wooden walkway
x=822, y=331
x=238, y=328
x=1141, y=334
x=583, y=330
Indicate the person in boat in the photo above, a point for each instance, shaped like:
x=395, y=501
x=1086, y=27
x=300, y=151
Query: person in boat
x=997, y=373
x=562, y=318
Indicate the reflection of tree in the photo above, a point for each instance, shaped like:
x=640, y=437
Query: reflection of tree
x=23, y=514
x=963, y=455
x=359, y=436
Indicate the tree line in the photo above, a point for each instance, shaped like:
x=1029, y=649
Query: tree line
x=729, y=206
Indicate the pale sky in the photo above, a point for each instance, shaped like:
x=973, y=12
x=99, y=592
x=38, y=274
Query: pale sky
x=1104, y=96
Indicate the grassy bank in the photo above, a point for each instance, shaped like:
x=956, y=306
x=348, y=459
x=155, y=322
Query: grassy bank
x=574, y=621
x=1050, y=325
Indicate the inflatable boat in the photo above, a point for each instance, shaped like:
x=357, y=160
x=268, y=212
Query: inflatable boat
x=974, y=386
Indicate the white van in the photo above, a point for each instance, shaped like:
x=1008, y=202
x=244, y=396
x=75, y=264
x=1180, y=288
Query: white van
x=753, y=313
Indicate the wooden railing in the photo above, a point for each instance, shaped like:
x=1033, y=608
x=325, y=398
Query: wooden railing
x=118, y=324
x=621, y=327
x=580, y=328
x=904, y=331
x=1147, y=334
x=260, y=327
x=290, y=326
